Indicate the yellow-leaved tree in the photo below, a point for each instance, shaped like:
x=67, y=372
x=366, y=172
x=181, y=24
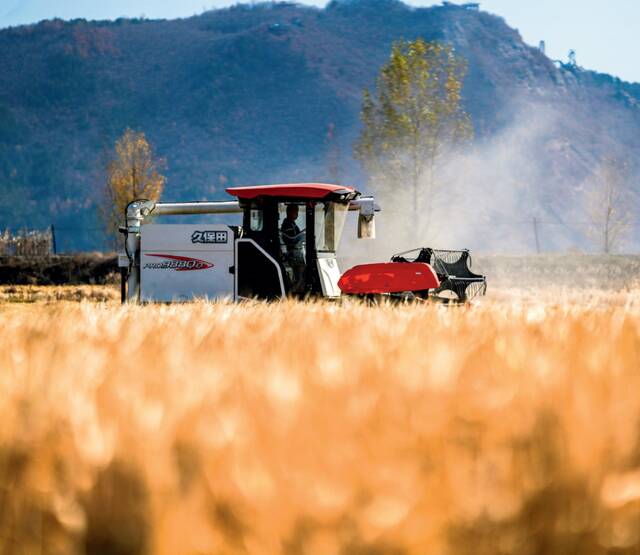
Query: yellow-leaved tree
x=414, y=119
x=133, y=172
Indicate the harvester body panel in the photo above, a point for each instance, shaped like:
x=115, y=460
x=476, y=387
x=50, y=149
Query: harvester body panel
x=329, y=273
x=258, y=275
x=183, y=262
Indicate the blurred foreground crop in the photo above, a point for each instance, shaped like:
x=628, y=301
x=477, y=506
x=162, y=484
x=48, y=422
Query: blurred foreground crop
x=505, y=428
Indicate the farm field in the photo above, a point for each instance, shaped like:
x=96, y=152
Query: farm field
x=508, y=427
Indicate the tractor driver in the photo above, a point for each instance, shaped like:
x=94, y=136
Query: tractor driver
x=293, y=239
x=291, y=234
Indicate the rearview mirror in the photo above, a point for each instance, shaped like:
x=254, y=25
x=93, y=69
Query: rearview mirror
x=366, y=227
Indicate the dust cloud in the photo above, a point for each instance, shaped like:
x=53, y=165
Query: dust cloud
x=517, y=192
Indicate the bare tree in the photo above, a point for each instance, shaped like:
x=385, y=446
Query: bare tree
x=609, y=204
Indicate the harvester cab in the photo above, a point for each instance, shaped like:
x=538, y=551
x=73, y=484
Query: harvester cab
x=285, y=247
x=290, y=234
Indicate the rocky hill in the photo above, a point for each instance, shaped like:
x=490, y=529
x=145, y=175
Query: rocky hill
x=247, y=95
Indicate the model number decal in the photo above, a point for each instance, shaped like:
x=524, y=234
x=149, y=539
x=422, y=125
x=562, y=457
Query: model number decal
x=177, y=263
x=210, y=237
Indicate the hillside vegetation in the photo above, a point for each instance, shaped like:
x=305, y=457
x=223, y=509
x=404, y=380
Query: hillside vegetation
x=247, y=95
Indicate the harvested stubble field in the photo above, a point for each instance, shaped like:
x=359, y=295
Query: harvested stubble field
x=55, y=293
x=509, y=427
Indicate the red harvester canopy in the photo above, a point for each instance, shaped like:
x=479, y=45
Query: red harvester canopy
x=289, y=190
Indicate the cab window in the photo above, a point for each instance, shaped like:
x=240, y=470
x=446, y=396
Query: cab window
x=291, y=223
x=329, y=222
x=256, y=220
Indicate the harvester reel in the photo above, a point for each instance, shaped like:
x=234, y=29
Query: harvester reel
x=458, y=284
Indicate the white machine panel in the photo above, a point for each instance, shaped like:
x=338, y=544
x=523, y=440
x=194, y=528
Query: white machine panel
x=329, y=276
x=182, y=262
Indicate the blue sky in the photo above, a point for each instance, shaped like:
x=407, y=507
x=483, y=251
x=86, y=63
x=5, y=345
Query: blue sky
x=605, y=34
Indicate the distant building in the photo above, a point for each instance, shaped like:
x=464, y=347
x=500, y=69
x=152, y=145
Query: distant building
x=468, y=6
x=542, y=47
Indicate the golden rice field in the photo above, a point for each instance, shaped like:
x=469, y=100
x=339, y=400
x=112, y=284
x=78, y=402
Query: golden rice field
x=508, y=427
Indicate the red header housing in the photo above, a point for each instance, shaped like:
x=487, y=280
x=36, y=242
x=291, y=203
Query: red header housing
x=289, y=190
x=388, y=277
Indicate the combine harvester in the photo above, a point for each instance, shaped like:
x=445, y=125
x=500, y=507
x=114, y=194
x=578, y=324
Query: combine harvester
x=285, y=247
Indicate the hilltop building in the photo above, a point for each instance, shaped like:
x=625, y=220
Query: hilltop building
x=474, y=6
